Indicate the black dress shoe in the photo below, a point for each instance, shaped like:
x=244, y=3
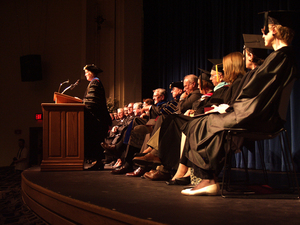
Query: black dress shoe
x=139, y=154
x=121, y=170
x=183, y=180
x=171, y=182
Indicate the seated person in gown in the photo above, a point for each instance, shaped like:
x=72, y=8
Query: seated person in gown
x=168, y=147
x=138, y=132
x=255, y=108
x=159, y=98
x=254, y=53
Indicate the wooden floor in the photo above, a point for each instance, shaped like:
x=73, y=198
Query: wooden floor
x=98, y=197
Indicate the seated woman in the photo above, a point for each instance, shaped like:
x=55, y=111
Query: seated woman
x=233, y=73
x=254, y=53
x=170, y=133
x=255, y=108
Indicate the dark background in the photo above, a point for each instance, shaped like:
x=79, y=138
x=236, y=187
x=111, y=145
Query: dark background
x=180, y=36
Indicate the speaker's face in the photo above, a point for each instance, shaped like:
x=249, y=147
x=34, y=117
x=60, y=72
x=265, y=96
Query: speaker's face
x=89, y=75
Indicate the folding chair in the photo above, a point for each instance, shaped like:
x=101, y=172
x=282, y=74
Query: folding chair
x=259, y=136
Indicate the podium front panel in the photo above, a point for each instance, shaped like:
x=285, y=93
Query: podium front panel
x=63, y=136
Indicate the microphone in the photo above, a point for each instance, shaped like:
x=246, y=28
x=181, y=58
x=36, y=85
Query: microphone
x=75, y=84
x=65, y=82
x=72, y=86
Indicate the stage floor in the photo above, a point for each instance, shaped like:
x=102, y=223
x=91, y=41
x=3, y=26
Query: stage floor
x=154, y=201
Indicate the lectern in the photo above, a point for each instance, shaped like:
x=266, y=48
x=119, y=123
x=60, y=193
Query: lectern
x=63, y=134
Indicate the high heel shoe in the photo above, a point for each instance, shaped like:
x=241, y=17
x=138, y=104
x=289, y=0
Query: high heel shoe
x=183, y=180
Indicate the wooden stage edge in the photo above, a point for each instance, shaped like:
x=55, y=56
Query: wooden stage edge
x=59, y=209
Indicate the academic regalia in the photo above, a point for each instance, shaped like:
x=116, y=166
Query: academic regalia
x=187, y=103
x=256, y=109
x=96, y=119
x=170, y=132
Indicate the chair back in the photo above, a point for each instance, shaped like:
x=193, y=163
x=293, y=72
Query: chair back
x=285, y=99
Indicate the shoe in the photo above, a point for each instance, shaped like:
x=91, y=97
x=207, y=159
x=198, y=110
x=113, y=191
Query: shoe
x=137, y=173
x=96, y=166
x=146, y=159
x=157, y=175
x=183, y=180
x=118, y=163
x=139, y=154
x=171, y=182
x=121, y=170
x=208, y=190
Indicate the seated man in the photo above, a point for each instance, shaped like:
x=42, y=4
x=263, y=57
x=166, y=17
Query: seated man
x=187, y=98
x=165, y=148
x=115, y=132
x=116, y=149
x=139, y=128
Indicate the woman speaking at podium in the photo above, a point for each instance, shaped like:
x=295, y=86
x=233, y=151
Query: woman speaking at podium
x=96, y=117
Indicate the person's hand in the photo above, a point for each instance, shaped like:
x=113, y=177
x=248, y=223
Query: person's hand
x=183, y=95
x=145, y=109
x=190, y=113
x=114, y=129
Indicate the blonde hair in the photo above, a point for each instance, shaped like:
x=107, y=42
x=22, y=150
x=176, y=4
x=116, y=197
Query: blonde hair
x=285, y=34
x=233, y=65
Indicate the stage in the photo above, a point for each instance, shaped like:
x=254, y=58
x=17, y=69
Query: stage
x=98, y=197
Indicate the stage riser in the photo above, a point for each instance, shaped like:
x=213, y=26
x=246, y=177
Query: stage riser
x=58, y=209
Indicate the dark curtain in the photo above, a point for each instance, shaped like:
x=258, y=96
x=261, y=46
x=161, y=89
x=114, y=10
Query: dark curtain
x=181, y=35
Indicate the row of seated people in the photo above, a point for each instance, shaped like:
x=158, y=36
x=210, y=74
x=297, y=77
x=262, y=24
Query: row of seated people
x=141, y=155
x=156, y=149
x=128, y=133
x=190, y=97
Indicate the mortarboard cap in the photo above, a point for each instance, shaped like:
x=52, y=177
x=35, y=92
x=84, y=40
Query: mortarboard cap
x=217, y=63
x=205, y=75
x=93, y=68
x=286, y=18
x=178, y=84
x=217, y=66
x=255, y=43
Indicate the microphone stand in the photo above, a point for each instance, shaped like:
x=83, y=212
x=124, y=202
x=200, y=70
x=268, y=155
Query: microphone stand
x=71, y=86
x=67, y=88
x=65, y=82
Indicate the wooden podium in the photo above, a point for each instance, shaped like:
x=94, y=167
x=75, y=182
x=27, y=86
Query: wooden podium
x=63, y=134
x=61, y=98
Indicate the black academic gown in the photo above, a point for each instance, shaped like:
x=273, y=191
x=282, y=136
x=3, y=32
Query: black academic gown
x=96, y=119
x=256, y=109
x=170, y=132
